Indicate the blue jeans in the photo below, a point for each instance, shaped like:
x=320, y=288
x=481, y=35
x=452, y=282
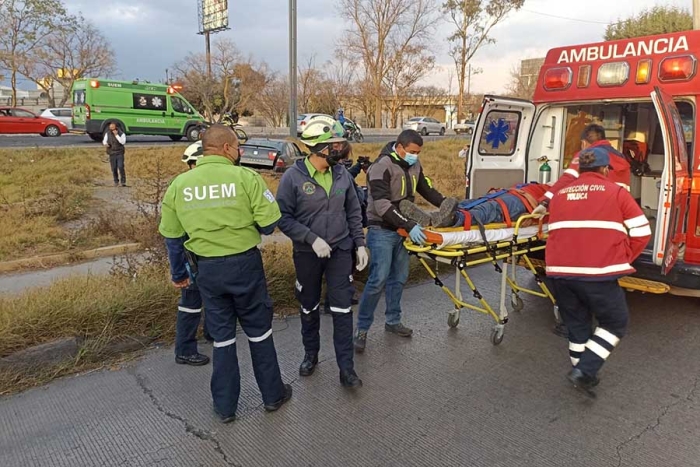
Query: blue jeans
x=388, y=269
x=490, y=212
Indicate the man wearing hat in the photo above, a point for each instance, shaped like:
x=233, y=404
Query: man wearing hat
x=596, y=231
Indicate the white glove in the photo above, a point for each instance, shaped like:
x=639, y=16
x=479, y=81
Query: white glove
x=539, y=211
x=362, y=258
x=321, y=248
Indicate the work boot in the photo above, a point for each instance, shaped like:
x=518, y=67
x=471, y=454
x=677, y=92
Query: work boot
x=224, y=418
x=308, y=366
x=583, y=382
x=285, y=398
x=196, y=359
x=349, y=379
x=360, y=341
x=445, y=217
x=414, y=213
x=398, y=329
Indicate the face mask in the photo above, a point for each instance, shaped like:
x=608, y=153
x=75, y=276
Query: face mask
x=334, y=157
x=411, y=159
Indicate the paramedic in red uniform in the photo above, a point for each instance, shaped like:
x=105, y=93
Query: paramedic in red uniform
x=596, y=231
x=593, y=136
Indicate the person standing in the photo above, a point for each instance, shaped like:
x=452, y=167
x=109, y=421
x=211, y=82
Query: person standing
x=322, y=216
x=223, y=209
x=114, y=141
x=396, y=175
x=596, y=231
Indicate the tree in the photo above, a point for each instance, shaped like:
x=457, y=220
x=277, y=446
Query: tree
x=78, y=50
x=400, y=81
x=428, y=98
x=657, y=20
x=381, y=33
x=273, y=101
x=24, y=26
x=522, y=87
x=473, y=21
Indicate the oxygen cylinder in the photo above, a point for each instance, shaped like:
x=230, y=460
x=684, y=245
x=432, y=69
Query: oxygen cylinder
x=545, y=174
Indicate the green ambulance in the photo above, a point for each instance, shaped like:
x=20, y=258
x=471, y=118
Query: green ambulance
x=137, y=108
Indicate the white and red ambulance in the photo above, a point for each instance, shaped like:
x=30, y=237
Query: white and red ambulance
x=644, y=92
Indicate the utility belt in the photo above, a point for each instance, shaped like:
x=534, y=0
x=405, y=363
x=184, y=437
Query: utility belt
x=193, y=259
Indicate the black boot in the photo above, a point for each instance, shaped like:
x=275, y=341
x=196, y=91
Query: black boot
x=414, y=213
x=308, y=366
x=583, y=382
x=349, y=379
x=446, y=216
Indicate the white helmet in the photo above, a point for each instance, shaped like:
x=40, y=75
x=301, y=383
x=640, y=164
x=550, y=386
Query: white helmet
x=322, y=131
x=193, y=152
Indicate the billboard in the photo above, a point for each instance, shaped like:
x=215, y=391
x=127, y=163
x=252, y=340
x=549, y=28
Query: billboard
x=213, y=15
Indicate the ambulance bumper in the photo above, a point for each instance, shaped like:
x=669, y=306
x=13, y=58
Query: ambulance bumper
x=683, y=275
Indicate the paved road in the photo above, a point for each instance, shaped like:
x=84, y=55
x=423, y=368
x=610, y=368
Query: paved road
x=443, y=398
x=82, y=141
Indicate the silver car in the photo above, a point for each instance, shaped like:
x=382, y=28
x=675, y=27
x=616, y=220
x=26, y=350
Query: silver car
x=62, y=114
x=425, y=125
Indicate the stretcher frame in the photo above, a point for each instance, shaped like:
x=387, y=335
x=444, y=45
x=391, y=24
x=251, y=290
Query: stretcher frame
x=511, y=253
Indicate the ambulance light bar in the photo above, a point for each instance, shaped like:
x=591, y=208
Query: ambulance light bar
x=94, y=84
x=558, y=79
x=643, y=72
x=613, y=74
x=677, y=68
x=584, y=76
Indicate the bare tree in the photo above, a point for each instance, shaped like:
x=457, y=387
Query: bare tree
x=381, y=32
x=24, y=25
x=522, y=87
x=473, y=21
x=342, y=74
x=68, y=54
x=429, y=98
x=400, y=80
x=273, y=101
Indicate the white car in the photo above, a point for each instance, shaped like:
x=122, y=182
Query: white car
x=425, y=125
x=62, y=114
x=466, y=126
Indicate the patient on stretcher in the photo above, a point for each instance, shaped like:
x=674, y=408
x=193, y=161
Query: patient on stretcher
x=499, y=206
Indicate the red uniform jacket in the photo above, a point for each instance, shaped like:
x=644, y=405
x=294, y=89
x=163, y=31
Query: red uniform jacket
x=619, y=174
x=596, y=230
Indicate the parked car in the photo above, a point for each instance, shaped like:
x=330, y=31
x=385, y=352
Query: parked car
x=467, y=126
x=62, y=114
x=304, y=119
x=14, y=120
x=425, y=125
x=274, y=154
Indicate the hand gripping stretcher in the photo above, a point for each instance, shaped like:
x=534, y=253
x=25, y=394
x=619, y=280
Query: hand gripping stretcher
x=498, y=244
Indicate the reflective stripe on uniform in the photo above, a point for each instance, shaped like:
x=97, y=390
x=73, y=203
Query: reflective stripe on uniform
x=189, y=310
x=577, y=347
x=306, y=312
x=403, y=186
x=261, y=338
x=607, y=336
x=340, y=310
x=598, y=349
x=640, y=231
x=624, y=185
x=571, y=172
x=574, y=361
x=225, y=343
x=607, y=225
x=549, y=195
x=589, y=271
x=638, y=221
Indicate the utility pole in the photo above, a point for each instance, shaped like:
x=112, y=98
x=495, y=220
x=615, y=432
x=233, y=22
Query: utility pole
x=293, y=68
x=208, y=41
x=696, y=14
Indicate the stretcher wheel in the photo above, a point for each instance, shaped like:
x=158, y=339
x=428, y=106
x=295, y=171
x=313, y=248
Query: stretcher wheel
x=517, y=303
x=497, y=335
x=453, y=319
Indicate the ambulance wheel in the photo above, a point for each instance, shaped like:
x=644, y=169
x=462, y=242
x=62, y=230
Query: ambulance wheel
x=453, y=319
x=193, y=133
x=497, y=335
x=175, y=137
x=517, y=303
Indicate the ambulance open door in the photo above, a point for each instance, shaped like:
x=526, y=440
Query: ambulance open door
x=674, y=189
x=498, y=152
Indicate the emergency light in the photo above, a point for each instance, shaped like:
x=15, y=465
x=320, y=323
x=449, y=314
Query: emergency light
x=677, y=68
x=584, y=76
x=558, y=79
x=613, y=74
x=643, y=72
x=94, y=84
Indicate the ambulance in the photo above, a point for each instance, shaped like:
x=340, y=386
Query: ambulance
x=644, y=92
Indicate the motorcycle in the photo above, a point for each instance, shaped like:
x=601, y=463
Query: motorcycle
x=353, y=131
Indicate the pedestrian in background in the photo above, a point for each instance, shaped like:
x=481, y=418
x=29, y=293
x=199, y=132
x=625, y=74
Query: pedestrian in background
x=114, y=141
x=223, y=209
x=321, y=213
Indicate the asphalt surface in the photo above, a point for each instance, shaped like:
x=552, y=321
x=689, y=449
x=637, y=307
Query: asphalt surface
x=443, y=398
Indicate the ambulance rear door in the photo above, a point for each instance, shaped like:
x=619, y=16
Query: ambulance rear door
x=674, y=192
x=498, y=152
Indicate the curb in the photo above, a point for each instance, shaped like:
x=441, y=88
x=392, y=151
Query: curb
x=47, y=261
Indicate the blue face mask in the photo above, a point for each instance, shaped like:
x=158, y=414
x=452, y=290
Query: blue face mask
x=411, y=159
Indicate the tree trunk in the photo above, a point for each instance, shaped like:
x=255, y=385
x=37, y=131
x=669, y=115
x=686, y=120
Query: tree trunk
x=462, y=78
x=13, y=83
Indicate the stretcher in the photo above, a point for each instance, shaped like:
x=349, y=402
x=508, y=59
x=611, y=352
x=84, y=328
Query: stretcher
x=503, y=246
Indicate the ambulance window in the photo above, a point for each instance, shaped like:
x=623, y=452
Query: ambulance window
x=79, y=97
x=500, y=134
x=149, y=102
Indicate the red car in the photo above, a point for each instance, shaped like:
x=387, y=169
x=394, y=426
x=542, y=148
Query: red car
x=14, y=120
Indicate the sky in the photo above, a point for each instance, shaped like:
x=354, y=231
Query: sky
x=150, y=36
